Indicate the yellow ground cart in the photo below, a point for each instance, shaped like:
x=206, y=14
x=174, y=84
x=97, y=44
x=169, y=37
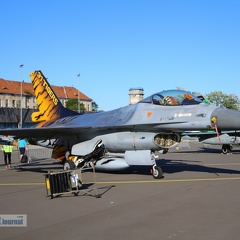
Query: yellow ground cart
x=64, y=182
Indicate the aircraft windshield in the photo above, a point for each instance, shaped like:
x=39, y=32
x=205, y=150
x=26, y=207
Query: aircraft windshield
x=172, y=98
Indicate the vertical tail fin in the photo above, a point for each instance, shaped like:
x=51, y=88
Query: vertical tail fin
x=49, y=105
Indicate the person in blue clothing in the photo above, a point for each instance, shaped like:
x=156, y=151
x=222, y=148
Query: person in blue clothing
x=22, y=146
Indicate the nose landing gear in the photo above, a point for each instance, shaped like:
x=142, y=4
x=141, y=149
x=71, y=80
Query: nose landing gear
x=226, y=148
x=157, y=172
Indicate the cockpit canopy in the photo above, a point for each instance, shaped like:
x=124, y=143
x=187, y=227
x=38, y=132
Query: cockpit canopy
x=172, y=98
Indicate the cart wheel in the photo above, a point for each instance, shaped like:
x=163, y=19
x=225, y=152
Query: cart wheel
x=75, y=193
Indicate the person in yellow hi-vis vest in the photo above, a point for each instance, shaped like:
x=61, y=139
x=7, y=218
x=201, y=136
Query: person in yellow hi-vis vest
x=7, y=151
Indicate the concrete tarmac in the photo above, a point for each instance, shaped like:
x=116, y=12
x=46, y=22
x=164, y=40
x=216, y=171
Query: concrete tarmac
x=198, y=198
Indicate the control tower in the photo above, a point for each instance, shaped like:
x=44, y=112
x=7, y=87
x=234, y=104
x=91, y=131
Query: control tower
x=136, y=95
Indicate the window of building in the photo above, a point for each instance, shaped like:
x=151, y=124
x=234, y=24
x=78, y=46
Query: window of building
x=6, y=101
x=13, y=103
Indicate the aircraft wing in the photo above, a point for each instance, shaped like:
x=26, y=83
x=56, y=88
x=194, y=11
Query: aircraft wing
x=58, y=130
x=44, y=132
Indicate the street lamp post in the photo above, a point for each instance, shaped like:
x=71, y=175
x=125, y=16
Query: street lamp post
x=20, y=122
x=78, y=96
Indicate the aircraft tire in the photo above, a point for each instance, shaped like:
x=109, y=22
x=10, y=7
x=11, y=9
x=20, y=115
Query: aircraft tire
x=157, y=172
x=68, y=165
x=226, y=149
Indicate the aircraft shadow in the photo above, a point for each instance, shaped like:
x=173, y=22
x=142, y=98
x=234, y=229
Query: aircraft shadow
x=167, y=165
x=39, y=166
x=177, y=166
x=174, y=166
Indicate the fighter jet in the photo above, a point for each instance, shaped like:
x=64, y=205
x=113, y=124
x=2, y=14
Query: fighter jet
x=226, y=139
x=118, y=139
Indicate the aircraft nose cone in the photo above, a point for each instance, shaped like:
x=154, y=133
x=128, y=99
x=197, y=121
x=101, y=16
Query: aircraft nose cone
x=226, y=119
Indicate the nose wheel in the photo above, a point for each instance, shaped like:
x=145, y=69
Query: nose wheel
x=157, y=172
x=226, y=148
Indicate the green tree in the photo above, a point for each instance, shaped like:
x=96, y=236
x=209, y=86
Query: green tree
x=221, y=99
x=94, y=106
x=72, y=104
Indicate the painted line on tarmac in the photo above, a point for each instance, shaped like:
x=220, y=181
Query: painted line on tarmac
x=133, y=182
x=193, y=164
x=21, y=184
x=166, y=181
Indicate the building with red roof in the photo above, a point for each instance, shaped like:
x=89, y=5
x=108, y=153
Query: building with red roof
x=10, y=95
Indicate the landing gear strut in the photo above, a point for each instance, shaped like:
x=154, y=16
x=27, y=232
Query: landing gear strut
x=157, y=172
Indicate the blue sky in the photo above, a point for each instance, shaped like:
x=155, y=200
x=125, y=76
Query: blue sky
x=118, y=45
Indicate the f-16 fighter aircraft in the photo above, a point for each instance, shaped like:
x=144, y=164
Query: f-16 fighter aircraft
x=227, y=139
x=124, y=137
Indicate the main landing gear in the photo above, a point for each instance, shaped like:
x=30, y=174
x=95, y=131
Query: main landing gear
x=73, y=162
x=69, y=165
